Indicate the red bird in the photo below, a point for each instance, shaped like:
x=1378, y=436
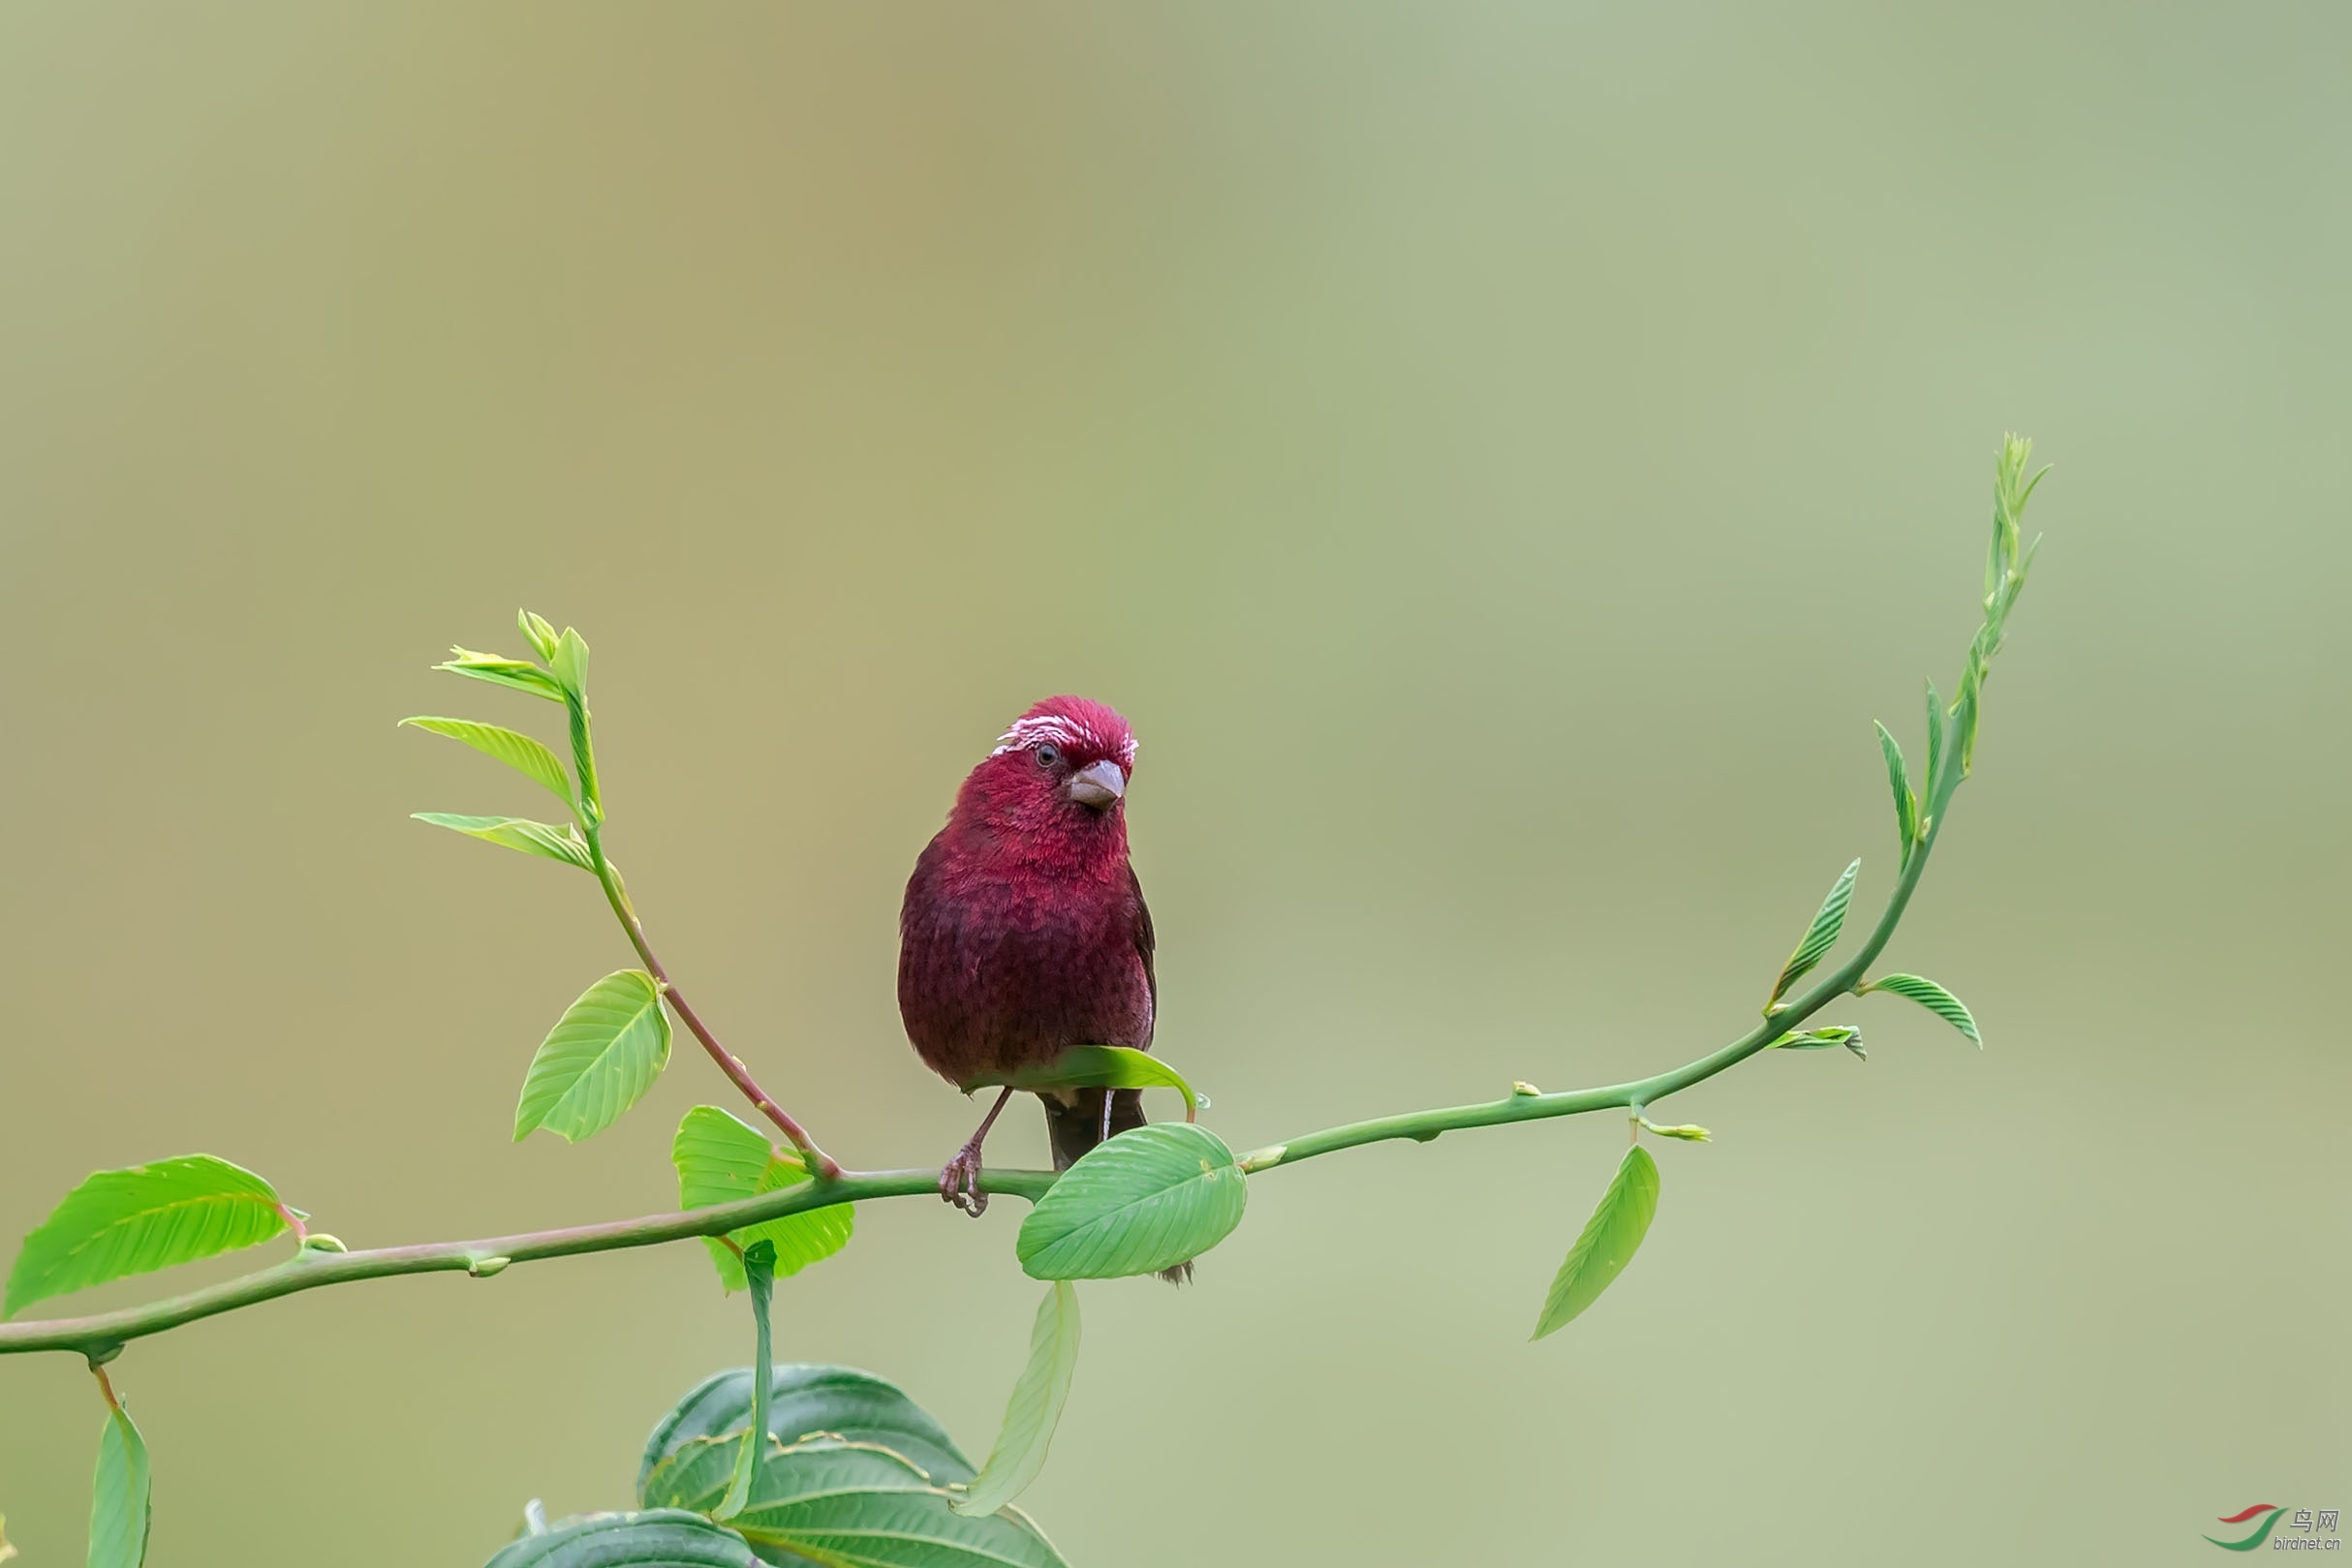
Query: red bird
x=1024, y=932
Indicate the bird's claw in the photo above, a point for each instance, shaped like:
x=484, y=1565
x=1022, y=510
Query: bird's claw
x=960, y=1182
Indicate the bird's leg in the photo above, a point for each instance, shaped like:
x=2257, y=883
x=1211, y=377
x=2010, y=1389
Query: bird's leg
x=1107, y=1118
x=960, y=1177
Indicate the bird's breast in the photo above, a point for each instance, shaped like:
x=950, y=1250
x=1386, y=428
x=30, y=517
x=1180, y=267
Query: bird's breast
x=1003, y=971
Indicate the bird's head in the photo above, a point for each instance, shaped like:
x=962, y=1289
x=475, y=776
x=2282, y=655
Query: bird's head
x=1063, y=762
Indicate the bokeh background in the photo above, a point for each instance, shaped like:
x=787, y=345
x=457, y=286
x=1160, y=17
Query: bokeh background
x=1502, y=458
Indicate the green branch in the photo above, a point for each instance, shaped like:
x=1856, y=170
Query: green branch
x=101, y=1334
x=1424, y=1126
x=238, y=1198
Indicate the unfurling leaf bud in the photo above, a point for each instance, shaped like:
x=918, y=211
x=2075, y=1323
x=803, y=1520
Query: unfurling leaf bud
x=1819, y=1040
x=499, y=670
x=538, y=633
x=570, y=662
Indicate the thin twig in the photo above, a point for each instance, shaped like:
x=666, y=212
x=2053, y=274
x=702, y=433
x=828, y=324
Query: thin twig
x=821, y=1165
x=1423, y=1125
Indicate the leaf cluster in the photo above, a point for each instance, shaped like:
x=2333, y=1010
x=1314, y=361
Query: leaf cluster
x=801, y=1464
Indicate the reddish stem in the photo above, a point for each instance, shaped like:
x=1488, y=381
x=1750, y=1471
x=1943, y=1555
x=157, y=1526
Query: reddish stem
x=822, y=1165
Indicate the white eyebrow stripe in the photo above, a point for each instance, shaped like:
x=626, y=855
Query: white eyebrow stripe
x=1032, y=732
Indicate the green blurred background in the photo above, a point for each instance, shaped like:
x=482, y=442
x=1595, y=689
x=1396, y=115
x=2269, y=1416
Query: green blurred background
x=1500, y=456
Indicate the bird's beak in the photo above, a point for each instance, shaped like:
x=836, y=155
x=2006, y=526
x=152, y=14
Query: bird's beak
x=1099, y=786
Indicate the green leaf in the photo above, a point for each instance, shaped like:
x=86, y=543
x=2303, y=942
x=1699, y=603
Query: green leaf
x=118, y=1223
x=852, y=1506
x=1608, y=1243
x=522, y=753
x=659, y=1538
x=807, y=1400
x=1933, y=997
x=1146, y=1200
x=1898, y=779
x=500, y=670
x=1929, y=782
x=1095, y=1066
x=720, y=1160
x=537, y=632
x=516, y=833
x=835, y=1500
x=760, y=1270
x=698, y=1474
x=602, y=1055
x=1819, y=937
x=120, y=1508
x=1035, y=1408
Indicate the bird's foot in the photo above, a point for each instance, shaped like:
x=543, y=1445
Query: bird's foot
x=960, y=1180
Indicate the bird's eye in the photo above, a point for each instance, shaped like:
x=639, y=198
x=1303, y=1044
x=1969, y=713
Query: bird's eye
x=1049, y=755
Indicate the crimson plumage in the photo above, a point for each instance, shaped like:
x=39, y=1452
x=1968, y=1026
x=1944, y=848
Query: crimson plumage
x=1024, y=930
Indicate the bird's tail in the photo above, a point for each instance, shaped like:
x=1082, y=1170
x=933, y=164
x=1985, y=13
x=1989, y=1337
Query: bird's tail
x=1077, y=1128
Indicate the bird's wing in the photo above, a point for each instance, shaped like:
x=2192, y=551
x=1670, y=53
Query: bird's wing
x=1144, y=940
